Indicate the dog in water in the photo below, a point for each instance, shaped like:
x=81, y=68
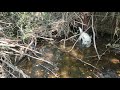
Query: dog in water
x=84, y=39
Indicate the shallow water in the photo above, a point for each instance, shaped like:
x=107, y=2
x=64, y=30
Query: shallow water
x=67, y=65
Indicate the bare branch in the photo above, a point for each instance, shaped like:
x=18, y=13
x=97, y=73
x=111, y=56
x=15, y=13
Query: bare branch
x=94, y=39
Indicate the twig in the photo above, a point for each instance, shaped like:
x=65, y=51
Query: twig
x=105, y=16
x=15, y=69
x=73, y=45
x=80, y=19
x=28, y=49
x=94, y=39
x=33, y=57
x=9, y=73
x=117, y=40
x=71, y=37
x=99, y=55
x=4, y=22
x=29, y=45
x=87, y=63
x=21, y=29
x=45, y=38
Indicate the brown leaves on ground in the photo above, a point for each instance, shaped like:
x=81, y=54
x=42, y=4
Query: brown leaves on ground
x=115, y=60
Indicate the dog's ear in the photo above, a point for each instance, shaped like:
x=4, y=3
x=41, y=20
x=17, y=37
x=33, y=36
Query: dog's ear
x=80, y=29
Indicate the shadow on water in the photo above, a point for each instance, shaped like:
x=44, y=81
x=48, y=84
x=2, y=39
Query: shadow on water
x=68, y=65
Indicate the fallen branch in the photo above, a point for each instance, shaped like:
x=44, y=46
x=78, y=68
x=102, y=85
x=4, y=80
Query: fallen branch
x=32, y=56
x=15, y=68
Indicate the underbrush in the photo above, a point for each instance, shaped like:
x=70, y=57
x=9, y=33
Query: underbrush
x=20, y=33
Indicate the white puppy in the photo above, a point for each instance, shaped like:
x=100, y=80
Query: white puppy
x=84, y=38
